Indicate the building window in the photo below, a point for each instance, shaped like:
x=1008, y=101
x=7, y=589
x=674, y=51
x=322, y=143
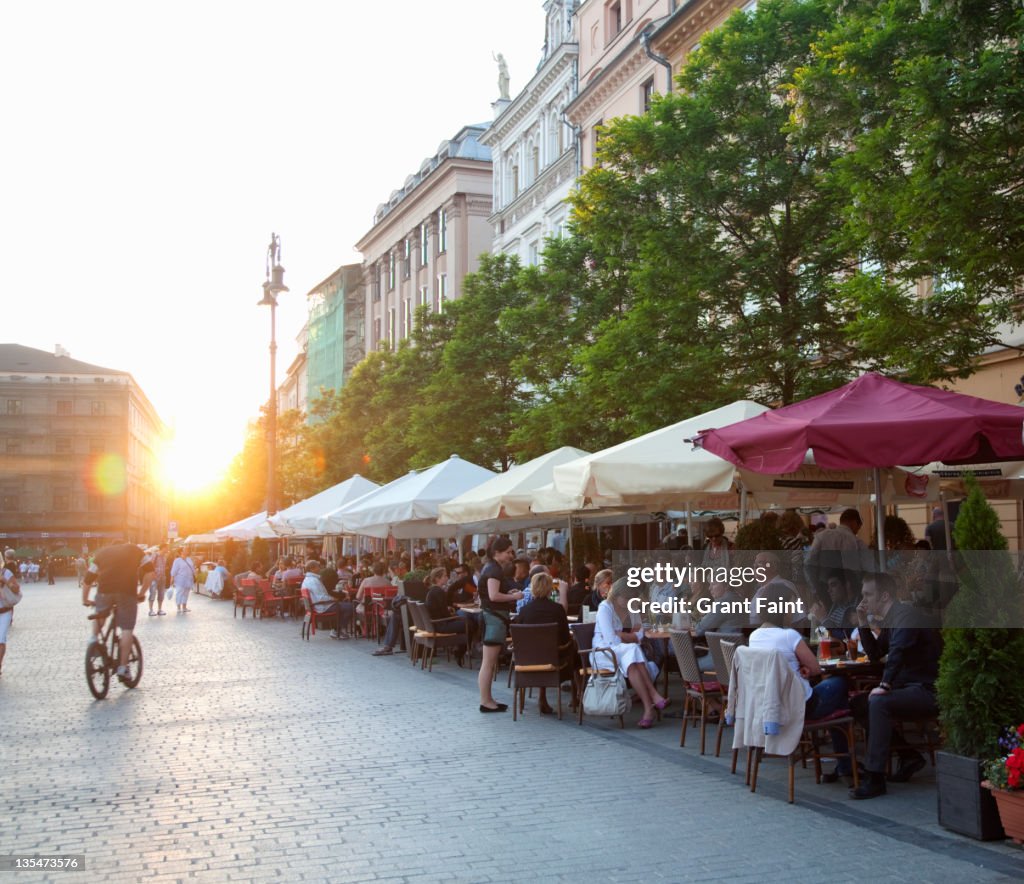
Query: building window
x=65, y=406
x=61, y=501
x=99, y=407
x=14, y=406
x=614, y=19
x=533, y=254
x=392, y=339
x=424, y=296
x=97, y=446
x=442, y=231
x=14, y=446
x=442, y=292
x=535, y=160
x=424, y=245
x=646, y=94
x=9, y=503
x=406, y=258
x=597, y=134
x=391, y=271
x=406, y=317
x=515, y=181
x=62, y=445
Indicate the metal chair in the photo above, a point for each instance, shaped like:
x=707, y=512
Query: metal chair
x=313, y=616
x=721, y=673
x=247, y=596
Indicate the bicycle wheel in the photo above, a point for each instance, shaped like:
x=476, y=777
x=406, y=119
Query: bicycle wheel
x=97, y=673
x=134, y=665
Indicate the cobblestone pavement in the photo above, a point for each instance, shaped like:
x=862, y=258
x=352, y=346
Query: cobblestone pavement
x=247, y=754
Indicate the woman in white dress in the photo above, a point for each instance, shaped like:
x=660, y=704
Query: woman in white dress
x=610, y=632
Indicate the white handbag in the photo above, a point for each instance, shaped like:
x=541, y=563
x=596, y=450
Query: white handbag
x=606, y=695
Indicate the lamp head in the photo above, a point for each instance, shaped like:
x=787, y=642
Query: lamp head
x=268, y=296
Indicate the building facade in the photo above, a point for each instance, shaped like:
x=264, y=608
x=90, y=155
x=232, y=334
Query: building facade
x=533, y=148
x=336, y=330
x=426, y=238
x=80, y=450
x=630, y=50
x=292, y=391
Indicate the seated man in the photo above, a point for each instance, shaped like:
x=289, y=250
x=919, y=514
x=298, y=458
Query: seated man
x=320, y=599
x=775, y=591
x=838, y=616
x=907, y=689
x=724, y=617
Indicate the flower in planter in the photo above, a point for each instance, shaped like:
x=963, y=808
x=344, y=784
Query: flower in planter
x=1007, y=771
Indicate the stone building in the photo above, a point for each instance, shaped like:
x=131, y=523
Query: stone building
x=427, y=237
x=78, y=462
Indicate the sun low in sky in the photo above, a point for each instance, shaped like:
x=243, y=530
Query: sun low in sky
x=193, y=462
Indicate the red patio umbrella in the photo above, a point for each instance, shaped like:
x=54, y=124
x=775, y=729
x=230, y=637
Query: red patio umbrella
x=871, y=423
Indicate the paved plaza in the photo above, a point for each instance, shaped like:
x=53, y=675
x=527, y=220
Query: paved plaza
x=247, y=754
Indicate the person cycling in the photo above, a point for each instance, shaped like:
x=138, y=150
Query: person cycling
x=119, y=570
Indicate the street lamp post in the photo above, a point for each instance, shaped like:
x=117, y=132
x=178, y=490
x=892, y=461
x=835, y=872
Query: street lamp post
x=272, y=287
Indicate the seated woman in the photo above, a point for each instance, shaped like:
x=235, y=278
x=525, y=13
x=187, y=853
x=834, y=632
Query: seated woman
x=602, y=584
x=827, y=696
x=445, y=620
x=541, y=609
x=611, y=632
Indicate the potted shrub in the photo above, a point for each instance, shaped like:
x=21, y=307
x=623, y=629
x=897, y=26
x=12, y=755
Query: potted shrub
x=1004, y=777
x=979, y=687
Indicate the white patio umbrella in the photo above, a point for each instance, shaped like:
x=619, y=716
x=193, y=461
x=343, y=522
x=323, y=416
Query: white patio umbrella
x=408, y=507
x=656, y=469
x=332, y=523
x=301, y=518
x=508, y=495
x=248, y=528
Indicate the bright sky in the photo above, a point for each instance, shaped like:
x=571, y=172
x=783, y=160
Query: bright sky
x=151, y=148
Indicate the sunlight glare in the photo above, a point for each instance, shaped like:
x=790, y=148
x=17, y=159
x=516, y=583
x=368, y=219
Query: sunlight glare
x=190, y=464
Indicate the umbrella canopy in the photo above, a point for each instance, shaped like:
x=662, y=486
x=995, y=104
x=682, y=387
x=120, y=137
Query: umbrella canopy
x=64, y=552
x=203, y=539
x=408, y=507
x=872, y=422
x=507, y=495
x=301, y=517
x=654, y=469
x=27, y=552
x=248, y=528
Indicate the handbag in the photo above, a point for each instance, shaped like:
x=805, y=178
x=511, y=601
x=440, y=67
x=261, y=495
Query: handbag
x=606, y=695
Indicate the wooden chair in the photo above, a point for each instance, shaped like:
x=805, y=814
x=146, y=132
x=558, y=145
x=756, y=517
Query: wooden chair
x=812, y=736
x=247, y=596
x=536, y=662
x=430, y=639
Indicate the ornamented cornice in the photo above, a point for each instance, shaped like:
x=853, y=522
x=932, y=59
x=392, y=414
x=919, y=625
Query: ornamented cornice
x=607, y=83
x=563, y=169
x=526, y=101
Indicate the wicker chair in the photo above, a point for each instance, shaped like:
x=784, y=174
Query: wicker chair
x=428, y=638
x=721, y=672
x=536, y=662
x=700, y=694
x=583, y=635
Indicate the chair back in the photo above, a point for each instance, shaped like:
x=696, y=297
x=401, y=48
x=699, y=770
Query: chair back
x=415, y=590
x=307, y=603
x=418, y=612
x=728, y=649
x=263, y=584
x=686, y=656
x=717, y=658
x=535, y=644
x=583, y=635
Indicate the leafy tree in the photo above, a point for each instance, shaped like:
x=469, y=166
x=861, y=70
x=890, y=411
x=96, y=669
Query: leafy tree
x=928, y=101
x=475, y=397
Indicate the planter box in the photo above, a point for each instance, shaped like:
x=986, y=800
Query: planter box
x=1011, y=813
x=964, y=806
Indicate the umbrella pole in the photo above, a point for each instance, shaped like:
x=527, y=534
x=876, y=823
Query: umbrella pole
x=568, y=520
x=689, y=525
x=743, y=505
x=945, y=520
x=879, y=518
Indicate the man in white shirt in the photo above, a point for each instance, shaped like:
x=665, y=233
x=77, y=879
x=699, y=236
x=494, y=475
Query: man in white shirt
x=319, y=597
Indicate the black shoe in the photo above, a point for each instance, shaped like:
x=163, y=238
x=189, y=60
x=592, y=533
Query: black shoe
x=502, y=707
x=460, y=659
x=834, y=776
x=872, y=788
x=909, y=765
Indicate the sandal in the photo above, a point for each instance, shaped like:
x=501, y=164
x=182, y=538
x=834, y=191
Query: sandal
x=645, y=724
x=663, y=704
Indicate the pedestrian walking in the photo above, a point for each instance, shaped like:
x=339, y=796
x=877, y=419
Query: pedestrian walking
x=10, y=595
x=158, y=585
x=183, y=577
x=51, y=567
x=80, y=566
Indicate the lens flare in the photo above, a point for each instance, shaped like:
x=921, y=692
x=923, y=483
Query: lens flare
x=107, y=475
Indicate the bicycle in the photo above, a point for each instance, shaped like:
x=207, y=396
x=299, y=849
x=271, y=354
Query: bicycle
x=102, y=657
